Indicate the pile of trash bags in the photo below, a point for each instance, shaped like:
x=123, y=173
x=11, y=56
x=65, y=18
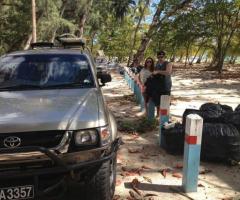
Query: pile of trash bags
x=221, y=133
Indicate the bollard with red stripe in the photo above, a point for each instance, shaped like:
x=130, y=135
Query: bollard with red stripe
x=192, y=150
x=164, y=116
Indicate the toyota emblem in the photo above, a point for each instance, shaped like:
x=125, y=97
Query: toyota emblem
x=12, y=142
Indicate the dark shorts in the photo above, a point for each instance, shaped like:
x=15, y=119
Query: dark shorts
x=157, y=97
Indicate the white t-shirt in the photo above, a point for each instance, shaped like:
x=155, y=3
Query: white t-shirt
x=144, y=74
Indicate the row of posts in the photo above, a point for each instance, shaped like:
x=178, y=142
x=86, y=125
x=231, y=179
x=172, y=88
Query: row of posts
x=193, y=132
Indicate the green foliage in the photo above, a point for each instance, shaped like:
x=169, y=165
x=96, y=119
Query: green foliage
x=202, y=28
x=142, y=125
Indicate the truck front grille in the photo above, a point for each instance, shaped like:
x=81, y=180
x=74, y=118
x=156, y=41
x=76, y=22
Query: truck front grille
x=47, y=139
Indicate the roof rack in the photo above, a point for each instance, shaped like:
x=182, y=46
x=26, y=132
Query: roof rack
x=42, y=44
x=71, y=41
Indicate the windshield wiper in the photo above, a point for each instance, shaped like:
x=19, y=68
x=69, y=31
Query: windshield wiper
x=69, y=85
x=21, y=86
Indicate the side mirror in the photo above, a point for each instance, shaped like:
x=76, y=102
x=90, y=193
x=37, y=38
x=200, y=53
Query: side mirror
x=104, y=78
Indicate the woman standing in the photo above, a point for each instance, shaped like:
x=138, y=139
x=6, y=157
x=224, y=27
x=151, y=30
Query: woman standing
x=163, y=70
x=145, y=73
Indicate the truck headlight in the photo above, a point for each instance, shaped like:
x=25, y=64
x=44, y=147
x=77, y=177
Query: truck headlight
x=86, y=137
x=105, y=135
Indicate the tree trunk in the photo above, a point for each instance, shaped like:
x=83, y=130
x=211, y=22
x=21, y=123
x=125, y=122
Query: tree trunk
x=157, y=23
x=187, y=55
x=92, y=40
x=29, y=40
x=34, y=26
x=83, y=18
x=201, y=56
x=62, y=10
x=180, y=58
x=199, y=48
x=136, y=31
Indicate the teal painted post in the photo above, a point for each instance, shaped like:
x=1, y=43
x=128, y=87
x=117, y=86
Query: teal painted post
x=128, y=80
x=151, y=110
x=142, y=103
x=132, y=84
x=192, y=150
x=135, y=89
x=138, y=93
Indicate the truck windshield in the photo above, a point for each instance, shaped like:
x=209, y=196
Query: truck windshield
x=44, y=71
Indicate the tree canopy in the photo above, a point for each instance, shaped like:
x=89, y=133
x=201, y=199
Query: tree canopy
x=188, y=30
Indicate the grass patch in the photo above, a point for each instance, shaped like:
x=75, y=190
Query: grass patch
x=141, y=125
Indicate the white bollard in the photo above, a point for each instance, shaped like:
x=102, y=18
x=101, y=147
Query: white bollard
x=164, y=116
x=192, y=150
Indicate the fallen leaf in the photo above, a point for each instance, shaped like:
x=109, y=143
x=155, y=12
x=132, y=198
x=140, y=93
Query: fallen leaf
x=206, y=171
x=135, y=182
x=146, y=167
x=124, y=169
x=124, y=174
x=177, y=175
x=164, y=173
x=154, y=155
x=150, y=195
x=131, y=172
x=132, y=196
x=118, y=182
x=200, y=185
x=137, y=191
x=144, y=157
x=179, y=166
x=134, y=150
x=147, y=179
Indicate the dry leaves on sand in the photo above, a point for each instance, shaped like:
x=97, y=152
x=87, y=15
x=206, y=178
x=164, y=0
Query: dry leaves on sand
x=177, y=175
x=179, y=166
x=164, y=171
x=205, y=171
x=135, y=150
x=131, y=171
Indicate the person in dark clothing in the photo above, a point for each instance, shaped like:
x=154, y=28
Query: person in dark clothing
x=160, y=82
x=135, y=66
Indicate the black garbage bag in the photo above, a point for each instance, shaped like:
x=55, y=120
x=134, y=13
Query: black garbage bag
x=174, y=139
x=208, y=116
x=232, y=118
x=220, y=142
x=237, y=109
x=215, y=110
x=226, y=108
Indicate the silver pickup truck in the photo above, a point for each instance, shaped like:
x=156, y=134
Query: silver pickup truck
x=54, y=125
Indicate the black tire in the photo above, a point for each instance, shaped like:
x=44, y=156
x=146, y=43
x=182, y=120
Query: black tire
x=102, y=185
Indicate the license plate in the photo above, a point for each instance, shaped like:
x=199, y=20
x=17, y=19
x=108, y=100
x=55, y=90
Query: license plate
x=17, y=193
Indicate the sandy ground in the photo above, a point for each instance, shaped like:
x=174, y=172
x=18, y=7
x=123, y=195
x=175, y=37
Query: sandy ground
x=193, y=87
x=156, y=173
